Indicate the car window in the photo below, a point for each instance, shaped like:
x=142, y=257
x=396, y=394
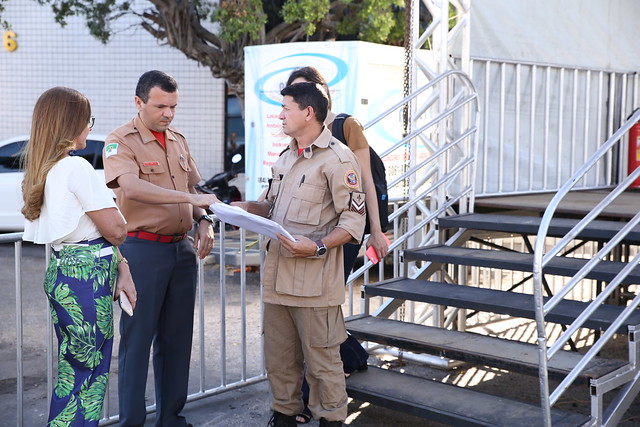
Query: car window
x=10, y=155
x=93, y=153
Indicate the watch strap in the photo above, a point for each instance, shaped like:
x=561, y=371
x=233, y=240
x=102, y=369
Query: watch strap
x=206, y=218
x=320, y=248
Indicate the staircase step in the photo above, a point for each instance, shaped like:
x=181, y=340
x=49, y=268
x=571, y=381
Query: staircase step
x=447, y=403
x=558, y=227
x=494, y=301
x=471, y=347
x=510, y=260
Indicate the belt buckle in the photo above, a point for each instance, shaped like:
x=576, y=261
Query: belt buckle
x=175, y=239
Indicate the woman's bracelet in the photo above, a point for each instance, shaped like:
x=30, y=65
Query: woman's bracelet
x=123, y=259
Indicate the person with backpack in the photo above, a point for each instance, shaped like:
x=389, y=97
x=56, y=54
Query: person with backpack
x=315, y=192
x=353, y=136
x=350, y=132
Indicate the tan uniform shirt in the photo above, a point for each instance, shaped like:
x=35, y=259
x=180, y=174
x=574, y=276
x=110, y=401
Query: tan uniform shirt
x=311, y=194
x=132, y=148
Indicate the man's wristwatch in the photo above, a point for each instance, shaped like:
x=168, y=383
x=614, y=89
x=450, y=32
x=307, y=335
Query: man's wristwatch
x=206, y=218
x=321, y=249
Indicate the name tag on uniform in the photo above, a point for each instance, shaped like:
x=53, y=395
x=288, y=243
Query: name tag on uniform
x=150, y=163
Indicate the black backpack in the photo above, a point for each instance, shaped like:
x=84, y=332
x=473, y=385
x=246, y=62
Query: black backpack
x=377, y=171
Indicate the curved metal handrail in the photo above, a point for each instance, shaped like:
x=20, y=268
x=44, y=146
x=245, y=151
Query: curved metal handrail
x=468, y=88
x=540, y=259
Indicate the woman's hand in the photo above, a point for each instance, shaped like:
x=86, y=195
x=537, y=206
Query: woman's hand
x=379, y=243
x=124, y=283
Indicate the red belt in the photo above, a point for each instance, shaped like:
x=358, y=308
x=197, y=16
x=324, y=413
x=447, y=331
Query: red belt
x=157, y=237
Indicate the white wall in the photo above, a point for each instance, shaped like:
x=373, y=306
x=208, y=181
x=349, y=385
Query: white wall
x=596, y=34
x=556, y=78
x=49, y=55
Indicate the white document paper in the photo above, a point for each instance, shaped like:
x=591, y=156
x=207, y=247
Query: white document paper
x=241, y=218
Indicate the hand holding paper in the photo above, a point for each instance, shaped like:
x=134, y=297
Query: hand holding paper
x=241, y=218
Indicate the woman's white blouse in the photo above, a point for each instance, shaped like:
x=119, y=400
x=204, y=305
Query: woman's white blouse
x=73, y=188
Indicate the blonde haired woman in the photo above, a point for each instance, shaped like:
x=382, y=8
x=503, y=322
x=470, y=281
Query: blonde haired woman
x=67, y=204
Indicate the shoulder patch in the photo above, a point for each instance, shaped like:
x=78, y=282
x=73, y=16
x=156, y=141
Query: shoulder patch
x=351, y=179
x=110, y=149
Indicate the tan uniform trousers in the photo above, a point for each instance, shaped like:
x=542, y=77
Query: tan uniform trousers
x=311, y=336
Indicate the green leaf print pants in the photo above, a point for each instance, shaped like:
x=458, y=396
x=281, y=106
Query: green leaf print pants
x=79, y=284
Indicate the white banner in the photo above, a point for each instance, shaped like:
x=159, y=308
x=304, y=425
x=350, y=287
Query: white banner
x=364, y=80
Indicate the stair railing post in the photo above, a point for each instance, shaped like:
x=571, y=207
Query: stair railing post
x=541, y=338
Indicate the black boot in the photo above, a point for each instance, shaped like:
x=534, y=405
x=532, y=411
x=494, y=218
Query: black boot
x=325, y=423
x=278, y=419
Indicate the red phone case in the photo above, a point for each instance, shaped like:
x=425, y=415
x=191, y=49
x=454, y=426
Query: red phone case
x=371, y=252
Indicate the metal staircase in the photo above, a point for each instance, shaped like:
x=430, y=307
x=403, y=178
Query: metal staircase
x=439, y=245
x=436, y=276
x=443, y=402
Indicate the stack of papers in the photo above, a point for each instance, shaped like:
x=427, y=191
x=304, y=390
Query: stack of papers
x=241, y=218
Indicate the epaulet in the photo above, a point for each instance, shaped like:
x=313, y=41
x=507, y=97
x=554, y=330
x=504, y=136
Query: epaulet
x=122, y=131
x=341, y=150
x=177, y=132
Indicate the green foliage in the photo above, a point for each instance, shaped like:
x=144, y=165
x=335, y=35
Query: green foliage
x=82, y=344
x=51, y=275
x=238, y=23
x=371, y=20
x=4, y=24
x=50, y=278
x=64, y=344
x=100, y=273
x=98, y=18
x=376, y=20
x=238, y=18
x=92, y=397
x=397, y=31
x=113, y=269
x=66, y=378
x=104, y=314
x=68, y=414
x=307, y=12
x=68, y=300
x=78, y=261
x=97, y=14
x=54, y=315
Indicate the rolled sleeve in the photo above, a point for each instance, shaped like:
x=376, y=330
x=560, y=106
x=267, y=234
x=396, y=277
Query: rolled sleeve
x=348, y=198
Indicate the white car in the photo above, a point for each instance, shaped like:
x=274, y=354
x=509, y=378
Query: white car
x=11, y=177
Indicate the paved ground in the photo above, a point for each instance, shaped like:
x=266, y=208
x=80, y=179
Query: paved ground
x=247, y=406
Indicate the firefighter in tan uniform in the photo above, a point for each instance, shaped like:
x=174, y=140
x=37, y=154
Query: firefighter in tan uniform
x=149, y=166
x=316, y=195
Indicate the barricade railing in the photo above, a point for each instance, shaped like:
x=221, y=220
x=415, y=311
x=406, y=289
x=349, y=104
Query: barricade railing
x=439, y=184
x=543, y=121
x=227, y=351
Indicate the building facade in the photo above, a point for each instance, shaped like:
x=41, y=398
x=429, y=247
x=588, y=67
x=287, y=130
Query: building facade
x=40, y=54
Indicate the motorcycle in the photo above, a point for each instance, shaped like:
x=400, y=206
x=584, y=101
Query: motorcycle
x=219, y=183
